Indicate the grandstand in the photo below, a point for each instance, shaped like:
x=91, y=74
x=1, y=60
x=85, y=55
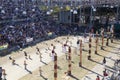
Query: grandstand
x=16, y=16
x=25, y=25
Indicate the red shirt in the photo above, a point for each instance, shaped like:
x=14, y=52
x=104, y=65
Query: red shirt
x=97, y=78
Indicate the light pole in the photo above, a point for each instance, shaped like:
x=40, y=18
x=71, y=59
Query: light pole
x=71, y=10
x=60, y=11
x=80, y=16
x=74, y=11
x=48, y=6
x=93, y=9
x=117, y=11
x=91, y=13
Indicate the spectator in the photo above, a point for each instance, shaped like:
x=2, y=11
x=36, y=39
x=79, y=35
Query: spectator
x=98, y=78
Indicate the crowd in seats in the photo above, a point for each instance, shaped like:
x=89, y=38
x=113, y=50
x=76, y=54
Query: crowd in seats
x=18, y=9
x=15, y=33
x=18, y=33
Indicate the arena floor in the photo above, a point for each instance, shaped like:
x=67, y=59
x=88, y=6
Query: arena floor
x=17, y=71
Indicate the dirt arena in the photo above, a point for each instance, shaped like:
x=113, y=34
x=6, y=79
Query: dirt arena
x=17, y=72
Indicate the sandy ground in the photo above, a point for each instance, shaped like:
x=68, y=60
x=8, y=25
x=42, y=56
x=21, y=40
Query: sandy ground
x=17, y=72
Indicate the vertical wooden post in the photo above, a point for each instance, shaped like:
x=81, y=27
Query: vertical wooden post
x=96, y=42
x=89, y=56
x=38, y=50
x=40, y=71
x=25, y=65
x=4, y=74
x=112, y=38
x=40, y=56
x=80, y=63
x=107, y=41
x=112, y=33
x=69, y=61
x=108, y=35
x=102, y=39
x=13, y=62
x=55, y=66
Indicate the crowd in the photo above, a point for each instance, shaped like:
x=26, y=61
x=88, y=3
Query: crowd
x=17, y=33
x=18, y=9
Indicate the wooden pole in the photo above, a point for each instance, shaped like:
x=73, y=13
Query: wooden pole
x=112, y=38
x=80, y=63
x=55, y=67
x=13, y=62
x=107, y=41
x=25, y=65
x=40, y=71
x=108, y=35
x=40, y=55
x=89, y=56
x=102, y=39
x=38, y=50
x=112, y=33
x=69, y=61
x=4, y=74
x=96, y=42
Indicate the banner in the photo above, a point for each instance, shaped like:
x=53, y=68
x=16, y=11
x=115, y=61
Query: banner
x=50, y=34
x=28, y=39
x=5, y=46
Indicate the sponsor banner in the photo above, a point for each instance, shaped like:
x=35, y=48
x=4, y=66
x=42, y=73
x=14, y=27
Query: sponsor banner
x=50, y=34
x=28, y=39
x=5, y=46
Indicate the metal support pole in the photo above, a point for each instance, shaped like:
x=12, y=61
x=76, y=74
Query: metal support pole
x=80, y=15
x=60, y=12
x=48, y=4
x=70, y=13
x=117, y=12
x=80, y=63
x=91, y=14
